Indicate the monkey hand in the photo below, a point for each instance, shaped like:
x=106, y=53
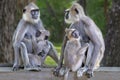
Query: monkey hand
x=89, y=73
x=57, y=71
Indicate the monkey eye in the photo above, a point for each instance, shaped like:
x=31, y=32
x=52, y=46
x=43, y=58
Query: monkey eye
x=35, y=12
x=76, y=11
x=24, y=10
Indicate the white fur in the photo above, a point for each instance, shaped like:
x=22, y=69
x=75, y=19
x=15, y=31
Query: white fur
x=75, y=18
x=27, y=17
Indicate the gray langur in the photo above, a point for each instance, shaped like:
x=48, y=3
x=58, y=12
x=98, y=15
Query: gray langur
x=90, y=33
x=28, y=39
x=74, y=54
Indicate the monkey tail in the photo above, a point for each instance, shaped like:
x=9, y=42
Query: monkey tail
x=6, y=65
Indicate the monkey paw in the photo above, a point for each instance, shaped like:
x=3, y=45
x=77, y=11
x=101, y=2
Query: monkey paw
x=56, y=72
x=62, y=71
x=89, y=73
x=15, y=67
x=81, y=71
x=59, y=71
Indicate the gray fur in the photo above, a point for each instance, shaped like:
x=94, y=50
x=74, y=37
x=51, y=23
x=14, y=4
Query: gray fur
x=29, y=44
x=90, y=33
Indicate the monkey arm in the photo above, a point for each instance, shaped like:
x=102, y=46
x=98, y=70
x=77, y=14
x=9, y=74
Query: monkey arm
x=57, y=70
x=17, y=37
x=35, y=44
x=62, y=52
x=19, y=33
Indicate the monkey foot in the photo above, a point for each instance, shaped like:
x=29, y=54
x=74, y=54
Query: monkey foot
x=62, y=71
x=89, y=73
x=59, y=72
x=15, y=68
x=81, y=71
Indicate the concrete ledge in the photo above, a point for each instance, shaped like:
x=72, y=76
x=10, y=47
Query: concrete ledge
x=103, y=73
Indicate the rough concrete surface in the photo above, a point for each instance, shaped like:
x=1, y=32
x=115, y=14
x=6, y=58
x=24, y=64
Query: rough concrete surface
x=103, y=73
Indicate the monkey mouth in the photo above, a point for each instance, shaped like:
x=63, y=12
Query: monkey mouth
x=35, y=17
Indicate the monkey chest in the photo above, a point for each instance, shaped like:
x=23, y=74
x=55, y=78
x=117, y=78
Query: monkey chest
x=70, y=54
x=30, y=37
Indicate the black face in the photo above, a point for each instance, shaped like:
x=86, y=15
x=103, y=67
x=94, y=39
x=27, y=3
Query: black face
x=35, y=13
x=38, y=33
x=75, y=34
x=66, y=14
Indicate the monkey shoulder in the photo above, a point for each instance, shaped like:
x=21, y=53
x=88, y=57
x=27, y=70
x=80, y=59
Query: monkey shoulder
x=87, y=21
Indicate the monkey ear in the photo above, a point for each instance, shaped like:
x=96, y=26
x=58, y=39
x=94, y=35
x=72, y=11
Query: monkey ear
x=24, y=10
x=76, y=11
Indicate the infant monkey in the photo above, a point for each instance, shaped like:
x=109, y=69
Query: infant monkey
x=35, y=46
x=74, y=53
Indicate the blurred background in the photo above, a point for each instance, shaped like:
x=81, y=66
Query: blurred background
x=105, y=13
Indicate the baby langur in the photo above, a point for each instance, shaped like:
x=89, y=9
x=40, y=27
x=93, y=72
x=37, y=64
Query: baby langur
x=74, y=54
x=90, y=33
x=34, y=47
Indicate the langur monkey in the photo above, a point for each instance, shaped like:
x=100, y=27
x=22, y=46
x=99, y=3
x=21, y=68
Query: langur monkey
x=28, y=39
x=74, y=54
x=90, y=33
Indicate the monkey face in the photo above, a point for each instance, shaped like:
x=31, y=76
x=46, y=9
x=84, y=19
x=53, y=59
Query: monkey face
x=31, y=13
x=74, y=13
x=72, y=33
x=42, y=34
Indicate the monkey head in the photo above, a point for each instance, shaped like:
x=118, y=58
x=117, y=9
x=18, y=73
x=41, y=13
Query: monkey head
x=72, y=34
x=74, y=13
x=42, y=34
x=31, y=13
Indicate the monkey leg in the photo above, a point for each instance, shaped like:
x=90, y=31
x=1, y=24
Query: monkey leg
x=16, y=57
x=35, y=62
x=81, y=57
x=53, y=53
x=66, y=74
x=25, y=57
x=89, y=54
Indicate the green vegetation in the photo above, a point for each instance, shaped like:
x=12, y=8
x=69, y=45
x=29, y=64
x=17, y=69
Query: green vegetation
x=95, y=9
x=52, y=15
